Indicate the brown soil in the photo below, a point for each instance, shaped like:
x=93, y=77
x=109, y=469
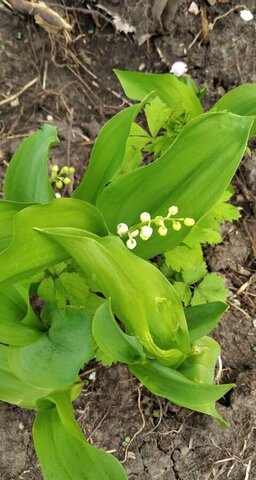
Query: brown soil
x=76, y=86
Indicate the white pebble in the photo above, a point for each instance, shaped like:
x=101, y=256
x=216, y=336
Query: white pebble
x=92, y=376
x=246, y=15
x=193, y=9
x=49, y=118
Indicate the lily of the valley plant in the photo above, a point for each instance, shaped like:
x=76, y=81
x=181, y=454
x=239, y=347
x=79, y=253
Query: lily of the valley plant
x=76, y=280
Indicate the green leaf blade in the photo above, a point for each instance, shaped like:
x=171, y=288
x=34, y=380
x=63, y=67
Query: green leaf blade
x=26, y=178
x=170, y=90
x=107, y=155
x=192, y=174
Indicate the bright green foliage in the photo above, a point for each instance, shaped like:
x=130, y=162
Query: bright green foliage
x=70, y=289
x=179, y=178
x=27, y=179
x=212, y=288
x=185, y=266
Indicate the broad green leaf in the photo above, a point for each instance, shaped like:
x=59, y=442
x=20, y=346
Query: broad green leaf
x=55, y=359
x=192, y=174
x=12, y=389
x=18, y=323
x=30, y=252
x=169, y=89
x=27, y=178
x=107, y=155
x=241, y=100
x=142, y=298
x=173, y=385
x=114, y=344
x=211, y=289
x=64, y=453
x=7, y=212
x=200, y=366
x=202, y=319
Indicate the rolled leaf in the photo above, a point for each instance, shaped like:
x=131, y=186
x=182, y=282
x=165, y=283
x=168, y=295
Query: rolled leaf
x=173, y=385
x=142, y=298
x=113, y=343
x=202, y=319
x=27, y=178
x=192, y=174
x=64, y=453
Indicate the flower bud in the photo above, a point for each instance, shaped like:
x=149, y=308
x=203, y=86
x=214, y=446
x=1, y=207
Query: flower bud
x=59, y=184
x=71, y=170
x=173, y=210
x=145, y=217
x=122, y=228
x=146, y=232
x=131, y=243
x=162, y=231
x=176, y=226
x=135, y=233
x=65, y=170
x=55, y=169
x=66, y=181
x=189, y=222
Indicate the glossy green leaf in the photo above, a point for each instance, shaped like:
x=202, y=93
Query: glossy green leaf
x=168, y=88
x=55, y=359
x=18, y=323
x=7, y=212
x=202, y=319
x=26, y=178
x=173, y=385
x=192, y=174
x=114, y=344
x=13, y=389
x=241, y=100
x=142, y=298
x=65, y=454
x=107, y=155
x=29, y=252
x=200, y=366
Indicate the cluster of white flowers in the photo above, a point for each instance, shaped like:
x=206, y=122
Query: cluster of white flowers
x=144, y=229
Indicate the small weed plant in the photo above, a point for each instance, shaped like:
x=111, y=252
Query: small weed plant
x=116, y=272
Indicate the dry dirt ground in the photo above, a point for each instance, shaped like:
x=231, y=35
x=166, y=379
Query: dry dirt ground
x=43, y=77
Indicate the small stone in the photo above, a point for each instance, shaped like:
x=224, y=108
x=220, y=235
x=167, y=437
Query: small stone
x=49, y=118
x=193, y=8
x=15, y=102
x=246, y=15
x=142, y=67
x=92, y=376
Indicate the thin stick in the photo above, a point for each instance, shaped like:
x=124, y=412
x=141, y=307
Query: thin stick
x=138, y=431
x=19, y=93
